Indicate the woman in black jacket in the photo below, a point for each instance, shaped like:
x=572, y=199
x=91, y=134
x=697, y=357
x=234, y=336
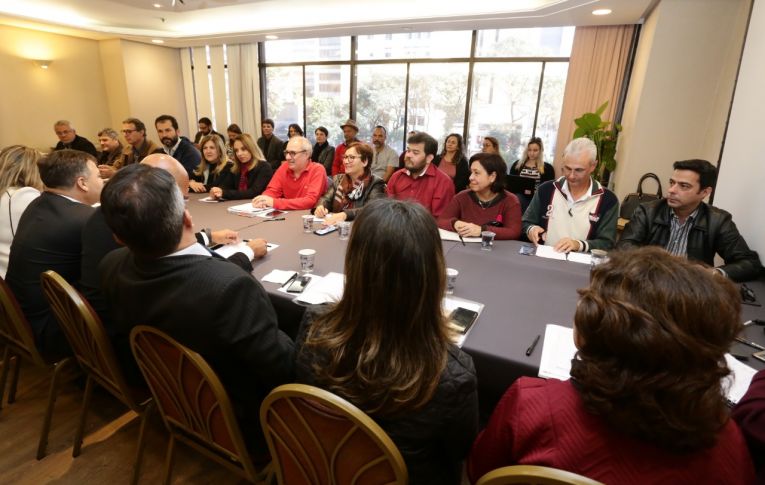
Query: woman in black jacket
x=214, y=169
x=250, y=172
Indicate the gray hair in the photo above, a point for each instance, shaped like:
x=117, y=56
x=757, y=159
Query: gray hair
x=110, y=133
x=63, y=123
x=579, y=145
x=305, y=143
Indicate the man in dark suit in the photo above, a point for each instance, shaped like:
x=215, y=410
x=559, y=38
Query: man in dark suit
x=68, y=138
x=270, y=144
x=166, y=279
x=48, y=237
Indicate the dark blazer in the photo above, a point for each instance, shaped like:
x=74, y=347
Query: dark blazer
x=48, y=237
x=257, y=181
x=225, y=179
x=713, y=232
x=208, y=305
x=274, y=155
x=461, y=177
x=79, y=143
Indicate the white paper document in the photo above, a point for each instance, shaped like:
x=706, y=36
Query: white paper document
x=247, y=209
x=550, y=253
x=278, y=276
x=453, y=236
x=326, y=289
x=209, y=200
x=584, y=258
x=737, y=383
x=227, y=250
x=557, y=351
x=451, y=303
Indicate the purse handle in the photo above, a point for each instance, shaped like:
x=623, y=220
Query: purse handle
x=649, y=175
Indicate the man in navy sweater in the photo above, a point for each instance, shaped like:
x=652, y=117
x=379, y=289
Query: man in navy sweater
x=178, y=147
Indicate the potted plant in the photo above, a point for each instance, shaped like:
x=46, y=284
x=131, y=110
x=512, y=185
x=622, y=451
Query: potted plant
x=590, y=125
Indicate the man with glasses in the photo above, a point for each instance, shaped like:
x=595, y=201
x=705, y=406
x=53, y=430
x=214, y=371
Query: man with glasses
x=137, y=149
x=68, y=138
x=573, y=213
x=296, y=184
x=683, y=224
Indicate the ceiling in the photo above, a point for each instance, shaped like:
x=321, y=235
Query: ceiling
x=181, y=23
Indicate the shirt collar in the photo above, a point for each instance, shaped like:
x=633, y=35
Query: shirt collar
x=195, y=249
x=691, y=216
x=170, y=151
x=426, y=171
x=564, y=188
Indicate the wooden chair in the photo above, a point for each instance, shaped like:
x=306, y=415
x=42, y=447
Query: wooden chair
x=192, y=401
x=95, y=355
x=533, y=475
x=318, y=438
x=19, y=340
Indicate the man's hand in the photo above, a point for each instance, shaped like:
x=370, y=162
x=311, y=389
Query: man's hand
x=566, y=245
x=320, y=211
x=225, y=236
x=216, y=192
x=106, y=171
x=262, y=202
x=467, y=229
x=535, y=233
x=197, y=186
x=258, y=246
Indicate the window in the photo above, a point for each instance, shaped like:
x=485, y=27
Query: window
x=326, y=101
x=380, y=100
x=284, y=87
x=437, y=98
x=428, y=45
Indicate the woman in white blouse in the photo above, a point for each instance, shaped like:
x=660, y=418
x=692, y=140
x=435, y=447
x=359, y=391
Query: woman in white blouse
x=20, y=184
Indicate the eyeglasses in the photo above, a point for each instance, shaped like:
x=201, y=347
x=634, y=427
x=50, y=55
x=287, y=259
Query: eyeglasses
x=127, y=132
x=291, y=154
x=351, y=157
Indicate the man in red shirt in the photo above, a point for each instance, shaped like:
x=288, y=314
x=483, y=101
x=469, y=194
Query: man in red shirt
x=297, y=184
x=350, y=130
x=420, y=180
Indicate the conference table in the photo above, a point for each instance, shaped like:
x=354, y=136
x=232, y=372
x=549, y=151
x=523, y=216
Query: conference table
x=520, y=293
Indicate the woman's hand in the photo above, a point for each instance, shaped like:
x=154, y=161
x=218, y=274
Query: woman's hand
x=467, y=229
x=335, y=218
x=320, y=211
x=216, y=192
x=197, y=186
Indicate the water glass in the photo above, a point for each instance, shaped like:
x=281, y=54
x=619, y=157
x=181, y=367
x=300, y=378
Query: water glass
x=487, y=240
x=345, y=230
x=307, y=259
x=451, y=280
x=308, y=223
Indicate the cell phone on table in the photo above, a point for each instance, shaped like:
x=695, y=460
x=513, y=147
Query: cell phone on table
x=275, y=213
x=299, y=284
x=461, y=319
x=325, y=230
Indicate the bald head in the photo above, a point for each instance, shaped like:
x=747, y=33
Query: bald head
x=170, y=164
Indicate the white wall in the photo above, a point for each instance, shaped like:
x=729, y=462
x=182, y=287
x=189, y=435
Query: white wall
x=742, y=169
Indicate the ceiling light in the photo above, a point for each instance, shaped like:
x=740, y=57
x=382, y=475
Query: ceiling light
x=272, y=37
x=158, y=41
x=601, y=11
x=43, y=64
x=156, y=5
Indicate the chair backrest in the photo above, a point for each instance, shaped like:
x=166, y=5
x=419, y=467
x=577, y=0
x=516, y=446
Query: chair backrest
x=86, y=335
x=14, y=327
x=192, y=401
x=533, y=475
x=318, y=438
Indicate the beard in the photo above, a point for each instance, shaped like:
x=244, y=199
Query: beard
x=169, y=142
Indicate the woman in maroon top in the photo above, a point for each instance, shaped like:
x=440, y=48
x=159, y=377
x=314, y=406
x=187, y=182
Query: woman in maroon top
x=452, y=161
x=485, y=205
x=645, y=401
x=250, y=172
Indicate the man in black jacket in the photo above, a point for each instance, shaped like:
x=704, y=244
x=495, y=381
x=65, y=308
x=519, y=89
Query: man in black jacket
x=166, y=279
x=68, y=138
x=686, y=226
x=178, y=147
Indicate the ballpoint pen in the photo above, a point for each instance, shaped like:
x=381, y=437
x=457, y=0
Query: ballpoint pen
x=533, y=345
x=750, y=343
x=462, y=240
x=292, y=278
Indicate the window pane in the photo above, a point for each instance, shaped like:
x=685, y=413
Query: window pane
x=550, y=105
x=437, y=98
x=380, y=101
x=536, y=42
x=503, y=104
x=307, y=50
x=414, y=45
x=284, y=95
x=327, y=93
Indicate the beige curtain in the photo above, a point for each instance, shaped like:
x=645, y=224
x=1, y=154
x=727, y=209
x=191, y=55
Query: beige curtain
x=595, y=74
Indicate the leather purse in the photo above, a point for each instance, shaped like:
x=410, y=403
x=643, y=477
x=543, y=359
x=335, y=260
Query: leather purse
x=633, y=200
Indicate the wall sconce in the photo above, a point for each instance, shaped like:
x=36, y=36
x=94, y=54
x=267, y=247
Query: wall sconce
x=43, y=64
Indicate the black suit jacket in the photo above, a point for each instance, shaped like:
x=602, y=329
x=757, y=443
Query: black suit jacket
x=48, y=237
x=79, y=143
x=208, y=305
x=274, y=154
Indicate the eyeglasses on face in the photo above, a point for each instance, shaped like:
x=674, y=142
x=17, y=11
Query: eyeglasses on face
x=351, y=157
x=127, y=132
x=291, y=153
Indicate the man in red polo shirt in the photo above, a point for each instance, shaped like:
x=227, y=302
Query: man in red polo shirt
x=297, y=184
x=420, y=180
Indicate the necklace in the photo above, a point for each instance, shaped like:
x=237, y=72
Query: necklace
x=485, y=204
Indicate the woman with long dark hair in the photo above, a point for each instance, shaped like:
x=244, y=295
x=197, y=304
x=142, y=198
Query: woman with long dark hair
x=396, y=361
x=452, y=161
x=645, y=401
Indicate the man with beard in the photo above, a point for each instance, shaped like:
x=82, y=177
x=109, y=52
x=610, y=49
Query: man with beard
x=205, y=128
x=178, y=147
x=384, y=158
x=350, y=130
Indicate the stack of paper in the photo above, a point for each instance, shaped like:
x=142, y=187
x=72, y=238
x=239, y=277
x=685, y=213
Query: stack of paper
x=326, y=289
x=248, y=210
x=453, y=236
x=550, y=253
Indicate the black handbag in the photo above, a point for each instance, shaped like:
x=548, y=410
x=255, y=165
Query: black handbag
x=633, y=200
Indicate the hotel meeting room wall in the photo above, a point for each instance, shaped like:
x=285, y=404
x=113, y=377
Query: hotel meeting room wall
x=86, y=83
x=742, y=168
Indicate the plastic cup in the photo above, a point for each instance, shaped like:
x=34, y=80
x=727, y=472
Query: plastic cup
x=308, y=223
x=344, y=230
x=451, y=280
x=487, y=240
x=598, y=256
x=307, y=259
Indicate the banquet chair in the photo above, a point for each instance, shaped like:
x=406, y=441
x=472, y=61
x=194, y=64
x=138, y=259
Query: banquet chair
x=533, y=475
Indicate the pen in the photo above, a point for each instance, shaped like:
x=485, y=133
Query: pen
x=292, y=278
x=750, y=343
x=533, y=345
x=462, y=240
x=277, y=219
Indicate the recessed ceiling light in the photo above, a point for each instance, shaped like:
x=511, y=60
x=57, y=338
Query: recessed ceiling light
x=156, y=5
x=272, y=37
x=158, y=41
x=601, y=11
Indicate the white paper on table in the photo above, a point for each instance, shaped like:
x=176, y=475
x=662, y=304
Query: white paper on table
x=550, y=253
x=557, y=351
x=278, y=276
x=247, y=209
x=227, y=250
x=450, y=303
x=453, y=236
x=584, y=258
x=326, y=289
x=209, y=199
x=736, y=384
